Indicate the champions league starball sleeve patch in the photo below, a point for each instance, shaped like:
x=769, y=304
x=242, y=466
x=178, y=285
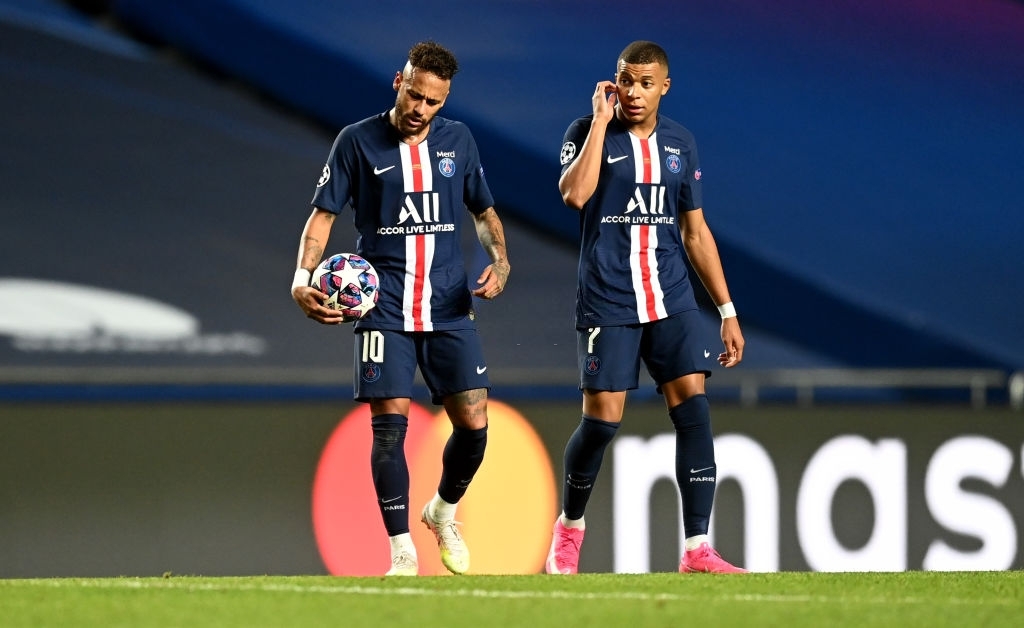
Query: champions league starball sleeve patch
x=325, y=176
x=568, y=152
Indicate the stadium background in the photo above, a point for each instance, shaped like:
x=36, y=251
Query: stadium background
x=163, y=407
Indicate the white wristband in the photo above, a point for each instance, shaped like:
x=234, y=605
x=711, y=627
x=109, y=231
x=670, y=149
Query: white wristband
x=727, y=310
x=302, y=278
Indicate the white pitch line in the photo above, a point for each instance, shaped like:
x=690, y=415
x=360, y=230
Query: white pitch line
x=183, y=584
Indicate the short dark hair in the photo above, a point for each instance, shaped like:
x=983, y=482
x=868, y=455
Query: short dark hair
x=434, y=58
x=643, y=52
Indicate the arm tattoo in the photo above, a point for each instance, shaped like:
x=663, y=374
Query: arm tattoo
x=314, y=253
x=491, y=235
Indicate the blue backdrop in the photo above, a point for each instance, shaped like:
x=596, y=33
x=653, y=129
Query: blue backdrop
x=860, y=157
x=860, y=164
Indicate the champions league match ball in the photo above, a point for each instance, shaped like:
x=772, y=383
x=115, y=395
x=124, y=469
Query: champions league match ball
x=350, y=283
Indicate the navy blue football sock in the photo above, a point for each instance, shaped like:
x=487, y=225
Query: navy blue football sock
x=583, y=455
x=462, y=456
x=696, y=472
x=391, y=471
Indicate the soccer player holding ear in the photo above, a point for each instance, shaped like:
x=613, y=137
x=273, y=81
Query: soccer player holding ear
x=634, y=177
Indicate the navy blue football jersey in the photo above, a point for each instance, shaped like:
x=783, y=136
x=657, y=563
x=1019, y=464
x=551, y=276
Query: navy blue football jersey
x=407, y=203
x=632, y=267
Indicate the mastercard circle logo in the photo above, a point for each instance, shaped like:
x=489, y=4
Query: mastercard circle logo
x=506, y=514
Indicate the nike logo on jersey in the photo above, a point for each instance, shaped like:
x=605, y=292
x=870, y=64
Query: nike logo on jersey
x=612, y=160
x=377, y=170
x=707, y=353
x=692, y=470
x=480, y=370
x=388, y=500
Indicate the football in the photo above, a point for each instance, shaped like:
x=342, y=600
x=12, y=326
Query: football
x=350, y=283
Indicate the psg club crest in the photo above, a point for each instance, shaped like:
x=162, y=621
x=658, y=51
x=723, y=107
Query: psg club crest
x=446, y=166
x=370, y=372
x=591, y=364
x=673, y=163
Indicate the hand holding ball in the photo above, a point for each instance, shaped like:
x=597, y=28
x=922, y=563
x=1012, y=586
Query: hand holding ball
x=350, y=283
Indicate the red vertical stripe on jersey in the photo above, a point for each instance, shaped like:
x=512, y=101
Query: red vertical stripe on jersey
x=417, y=306
x=645, y=273
x=645, y=149
x=417, y=299
x=417, y=168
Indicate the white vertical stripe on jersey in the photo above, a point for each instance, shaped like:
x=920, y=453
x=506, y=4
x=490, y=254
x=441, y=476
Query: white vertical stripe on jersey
x=407, y=178
x=638, y=158
x=652, y=142
x=428, y=172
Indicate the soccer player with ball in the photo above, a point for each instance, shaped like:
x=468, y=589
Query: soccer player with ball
x=634, y=176
x=408, y=174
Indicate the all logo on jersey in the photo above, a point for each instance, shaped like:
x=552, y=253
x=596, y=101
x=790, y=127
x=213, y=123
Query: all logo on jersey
x=655, y=204
x=420, y=213
x=325, y=176
x=568, y=152
x=696, y=174
x=427, y=211
x=645, y=207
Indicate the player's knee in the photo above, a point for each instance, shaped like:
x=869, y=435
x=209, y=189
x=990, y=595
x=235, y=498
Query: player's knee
x=474, y=420
x=388, y=438
x=389, y=430
x=467, y=409
x=604, y=405
x=693, y=413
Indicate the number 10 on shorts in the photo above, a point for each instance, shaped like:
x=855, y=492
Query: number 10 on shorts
x=373, y=346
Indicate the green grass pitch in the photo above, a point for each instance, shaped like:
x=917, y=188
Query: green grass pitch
x=902, y=599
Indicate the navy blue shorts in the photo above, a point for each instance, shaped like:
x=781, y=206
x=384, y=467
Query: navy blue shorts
x=386, y=361
x=609, y=357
